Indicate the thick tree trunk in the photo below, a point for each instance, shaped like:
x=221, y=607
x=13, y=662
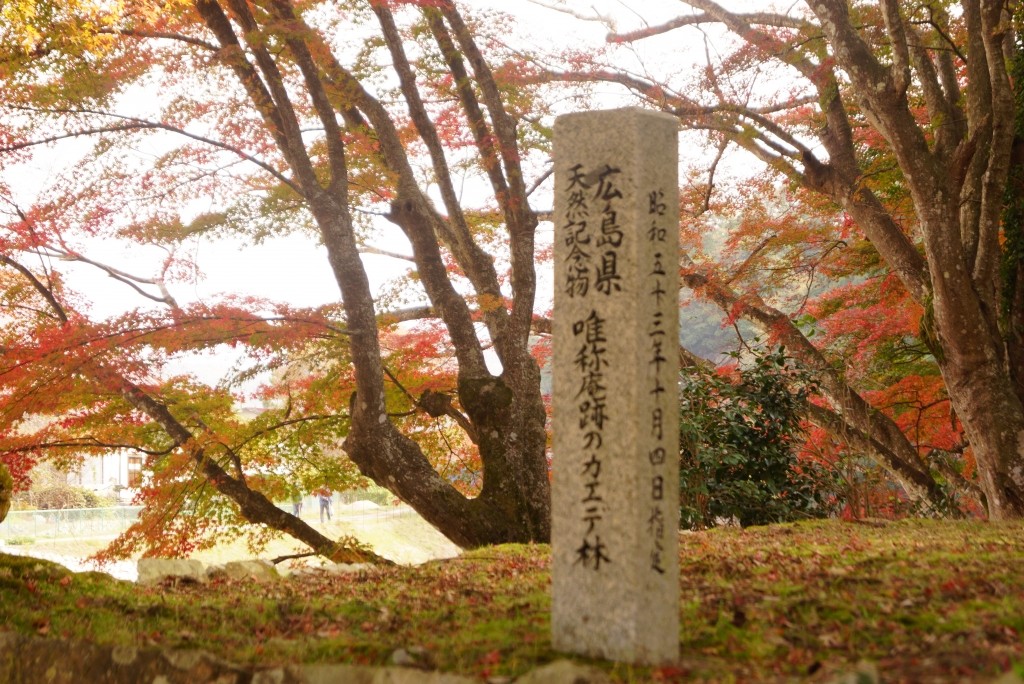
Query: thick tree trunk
x=500, y=514
x=993, y=420
x=957, y=256
x=957, y=181
x=6, y=491
x=506, y=413
x=509, y=426
x=982, y=392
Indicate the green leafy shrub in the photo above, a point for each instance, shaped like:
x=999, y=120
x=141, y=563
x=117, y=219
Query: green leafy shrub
x=97, y=500
x=21, y=541
x=60, y=496
x=373, y=493
x=738, y=441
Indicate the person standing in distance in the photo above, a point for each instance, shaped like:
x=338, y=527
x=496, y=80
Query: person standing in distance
x=323, y=495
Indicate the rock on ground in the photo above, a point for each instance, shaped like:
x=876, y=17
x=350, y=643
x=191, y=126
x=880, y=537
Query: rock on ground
x=28, y=659
x=155, y=570
x=565, y=672
x=255, y=570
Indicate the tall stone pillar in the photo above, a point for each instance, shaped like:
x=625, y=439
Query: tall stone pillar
x=615, y=518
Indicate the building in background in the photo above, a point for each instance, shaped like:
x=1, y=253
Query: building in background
x=117, y=474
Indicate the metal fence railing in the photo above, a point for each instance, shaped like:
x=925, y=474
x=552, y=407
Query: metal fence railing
x=68, y=522
x=109, y=522
x=351, y=512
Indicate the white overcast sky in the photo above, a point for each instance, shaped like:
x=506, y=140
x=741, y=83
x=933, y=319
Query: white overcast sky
x=294, y=269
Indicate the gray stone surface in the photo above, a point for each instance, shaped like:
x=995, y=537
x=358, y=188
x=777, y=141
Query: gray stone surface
x=27, y=659
x=413, y=656
x=334, y=569
x=565, y=672
x=154, y=570
x=30, y=659
x=350, y=568
x=1009, y=678
x=866, y=673
x=256, y=570
x=355, y=674
x=615, y=465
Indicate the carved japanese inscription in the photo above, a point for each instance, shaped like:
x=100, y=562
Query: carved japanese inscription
x=615, y=399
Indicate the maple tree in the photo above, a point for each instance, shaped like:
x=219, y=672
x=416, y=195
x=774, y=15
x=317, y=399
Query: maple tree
x=890, y=131
x=310, y=118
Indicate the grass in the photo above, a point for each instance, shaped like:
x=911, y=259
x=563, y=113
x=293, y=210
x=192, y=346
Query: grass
x=21, y=541
x=406, y=539
x=923, y=600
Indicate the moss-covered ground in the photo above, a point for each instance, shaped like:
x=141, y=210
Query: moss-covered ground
x=925, y=601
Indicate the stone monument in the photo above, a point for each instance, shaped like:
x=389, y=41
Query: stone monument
x=615, y=481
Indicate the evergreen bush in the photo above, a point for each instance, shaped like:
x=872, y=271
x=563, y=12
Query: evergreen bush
x=739, y=438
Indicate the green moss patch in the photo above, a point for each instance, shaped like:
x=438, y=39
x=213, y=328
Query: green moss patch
x=924, y=600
